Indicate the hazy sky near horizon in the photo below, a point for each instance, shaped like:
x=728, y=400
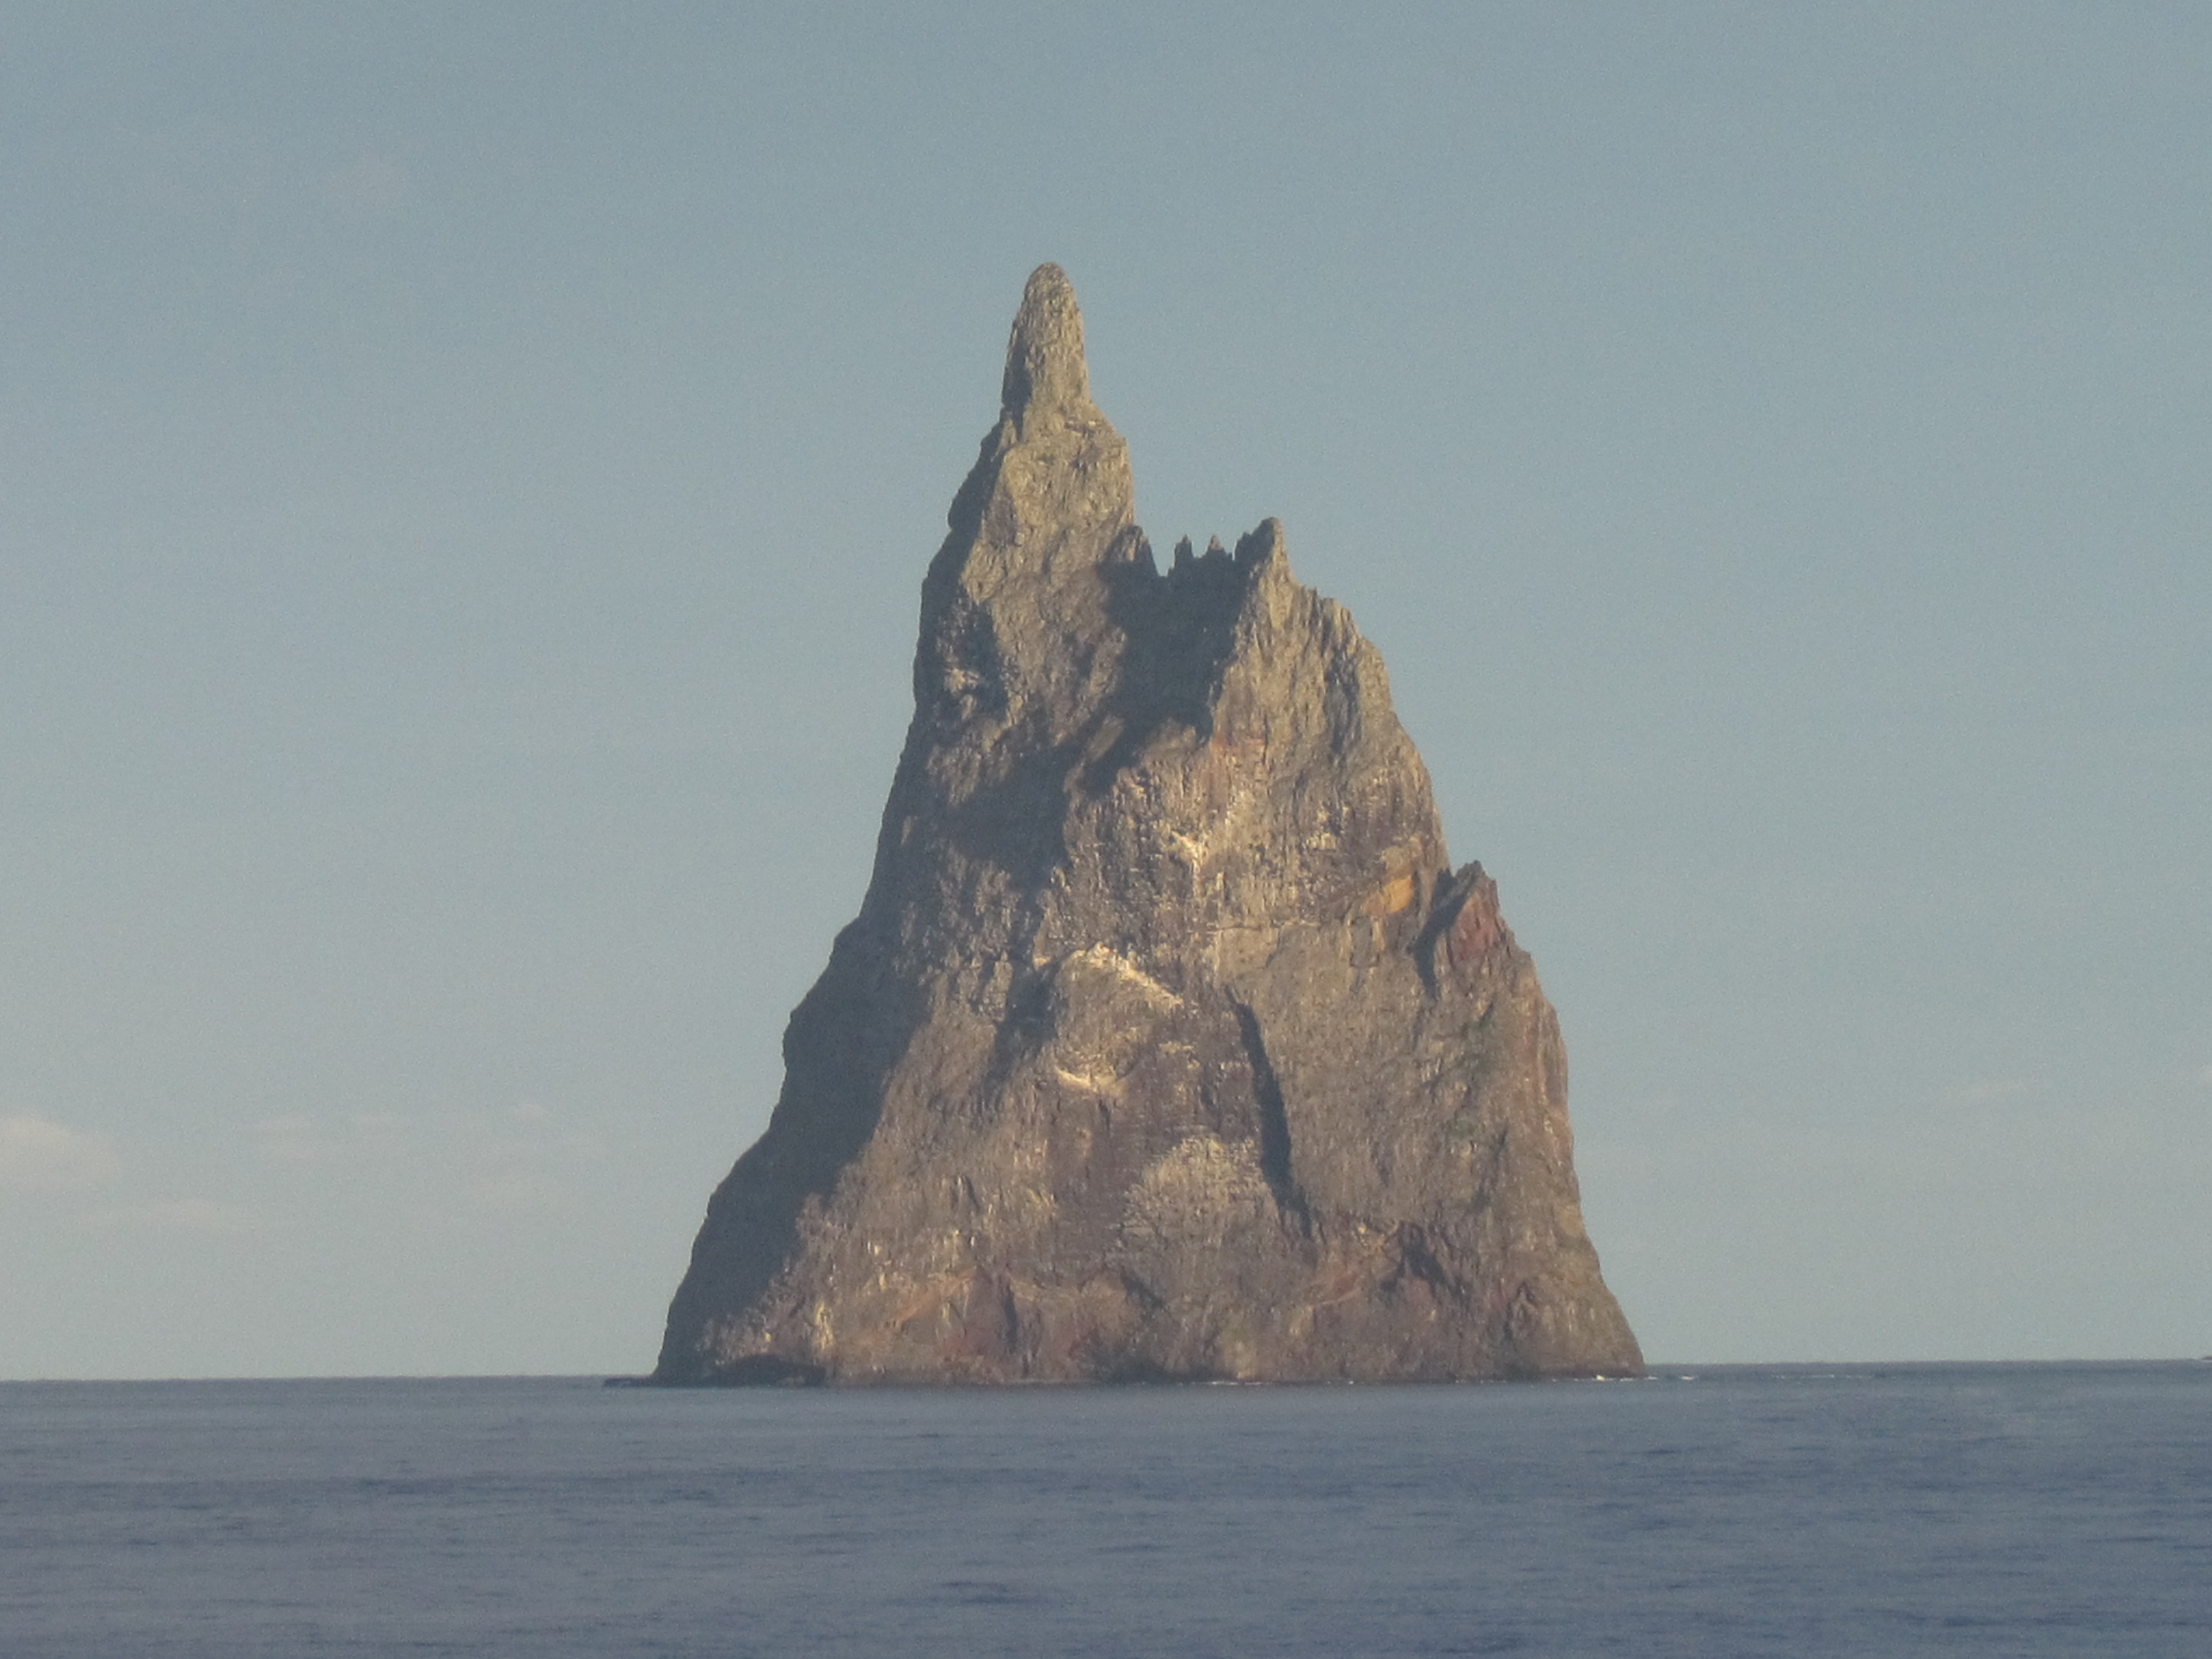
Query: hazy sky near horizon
x=466, y=473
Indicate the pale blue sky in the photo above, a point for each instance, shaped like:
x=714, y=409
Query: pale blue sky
x=465, y=474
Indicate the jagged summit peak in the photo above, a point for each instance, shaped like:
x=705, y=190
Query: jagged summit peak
x=1044, y=353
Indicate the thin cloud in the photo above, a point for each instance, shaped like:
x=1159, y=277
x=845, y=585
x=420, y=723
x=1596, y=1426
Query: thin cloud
x=1988, y=1090
x=517, y=1192
x=291, y=1138
x=36, y=1152
x=185, y=1215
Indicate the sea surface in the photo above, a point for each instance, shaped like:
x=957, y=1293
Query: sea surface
x=2023, y=1510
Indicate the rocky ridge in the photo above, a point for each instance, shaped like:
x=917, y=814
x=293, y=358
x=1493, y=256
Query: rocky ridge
x=1167, y=1043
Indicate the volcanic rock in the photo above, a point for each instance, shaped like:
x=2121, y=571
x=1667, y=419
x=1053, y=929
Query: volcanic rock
x=1167, y=1043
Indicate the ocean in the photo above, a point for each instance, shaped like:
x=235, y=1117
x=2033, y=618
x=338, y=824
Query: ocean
x=2024, y=1510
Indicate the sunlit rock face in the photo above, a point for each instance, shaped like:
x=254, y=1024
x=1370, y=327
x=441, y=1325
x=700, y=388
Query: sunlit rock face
x=1167, y=1043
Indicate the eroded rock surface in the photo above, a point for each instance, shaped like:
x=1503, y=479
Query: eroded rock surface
x=1166, y=1042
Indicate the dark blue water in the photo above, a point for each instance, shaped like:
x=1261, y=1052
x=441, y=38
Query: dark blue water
x=2023, y=1510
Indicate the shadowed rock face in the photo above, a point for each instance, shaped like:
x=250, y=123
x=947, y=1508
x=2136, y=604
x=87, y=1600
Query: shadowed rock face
x=1166, y=1042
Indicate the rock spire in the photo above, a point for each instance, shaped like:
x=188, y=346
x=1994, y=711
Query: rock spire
x=1166, y=1044
x=1045, y=365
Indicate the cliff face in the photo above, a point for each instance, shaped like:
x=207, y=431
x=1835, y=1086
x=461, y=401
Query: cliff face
x=1166, y=1042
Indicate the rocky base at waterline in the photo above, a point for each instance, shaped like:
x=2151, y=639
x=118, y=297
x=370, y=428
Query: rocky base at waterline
x=1167, y=1043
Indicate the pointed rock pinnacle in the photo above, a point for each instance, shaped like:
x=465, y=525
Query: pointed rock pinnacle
x=1167, y=1043
x=1045, y=369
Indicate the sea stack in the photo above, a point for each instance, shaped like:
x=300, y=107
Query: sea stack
x=1167, y=1044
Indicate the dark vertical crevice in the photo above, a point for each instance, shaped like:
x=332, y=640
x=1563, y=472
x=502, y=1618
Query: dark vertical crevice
x=1454, y=890
x=1274, y=1122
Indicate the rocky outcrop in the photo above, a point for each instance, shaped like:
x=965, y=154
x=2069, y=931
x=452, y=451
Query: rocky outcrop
x=1166, y=1042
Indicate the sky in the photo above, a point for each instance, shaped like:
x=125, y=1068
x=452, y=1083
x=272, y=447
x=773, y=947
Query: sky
x=466, y=475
